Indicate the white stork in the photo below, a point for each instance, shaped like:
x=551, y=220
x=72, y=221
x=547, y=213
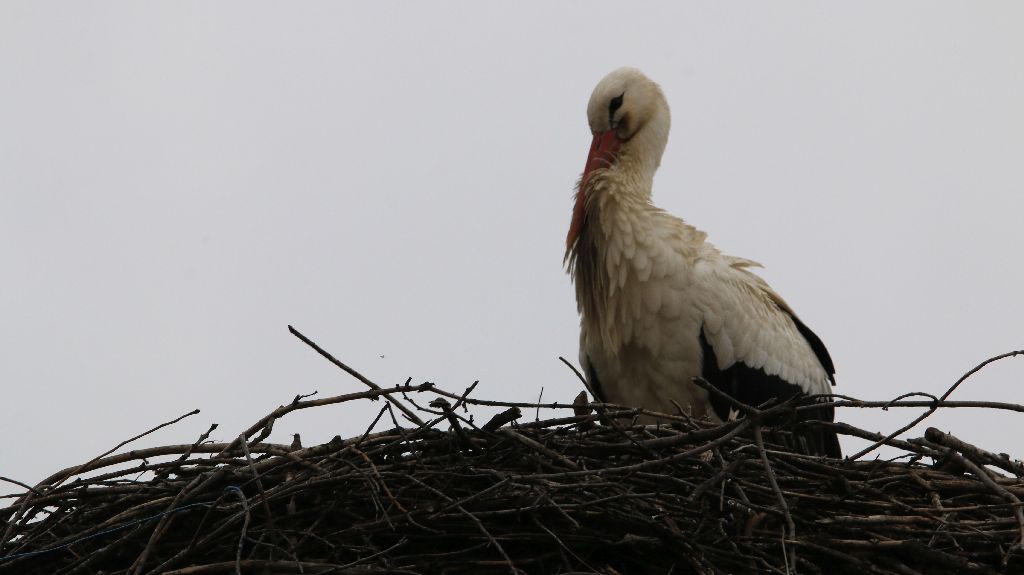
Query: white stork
x=658, y=304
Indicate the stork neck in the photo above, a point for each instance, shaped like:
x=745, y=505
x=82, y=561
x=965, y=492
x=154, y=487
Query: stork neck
x=639, y=157
x=636, y=174
x=629, y=181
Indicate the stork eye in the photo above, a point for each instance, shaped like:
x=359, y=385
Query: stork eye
x=614, y=105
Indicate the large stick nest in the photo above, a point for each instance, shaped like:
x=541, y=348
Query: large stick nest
x=588, y=491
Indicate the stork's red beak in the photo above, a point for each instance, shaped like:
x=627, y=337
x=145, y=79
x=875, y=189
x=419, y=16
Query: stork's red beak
x=602, y=153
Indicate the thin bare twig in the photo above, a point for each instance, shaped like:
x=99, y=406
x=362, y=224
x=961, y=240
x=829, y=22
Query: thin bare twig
x=783, y=505
x=935, y=406
x=408, y=412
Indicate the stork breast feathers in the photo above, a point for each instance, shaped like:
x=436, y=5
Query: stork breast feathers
x=665, y=284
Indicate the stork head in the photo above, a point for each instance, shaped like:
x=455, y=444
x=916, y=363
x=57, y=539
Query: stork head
x=629, y=118
x=630, y=107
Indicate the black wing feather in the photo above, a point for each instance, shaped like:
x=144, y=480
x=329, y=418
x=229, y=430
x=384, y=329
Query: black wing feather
x=816, y=346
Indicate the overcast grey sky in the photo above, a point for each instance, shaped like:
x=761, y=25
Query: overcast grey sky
x=181, y=180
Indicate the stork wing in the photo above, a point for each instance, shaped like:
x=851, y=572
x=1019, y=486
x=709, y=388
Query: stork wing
x=755, y=349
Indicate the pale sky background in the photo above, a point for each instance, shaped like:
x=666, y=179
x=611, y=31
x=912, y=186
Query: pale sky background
x=181, y=180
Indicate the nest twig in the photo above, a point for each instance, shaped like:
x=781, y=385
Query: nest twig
x=587, y=491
